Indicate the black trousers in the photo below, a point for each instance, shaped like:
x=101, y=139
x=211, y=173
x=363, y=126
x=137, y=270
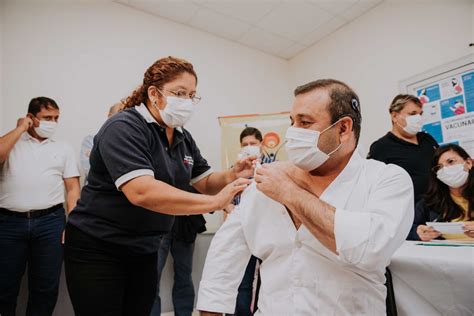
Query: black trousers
x=104, y=279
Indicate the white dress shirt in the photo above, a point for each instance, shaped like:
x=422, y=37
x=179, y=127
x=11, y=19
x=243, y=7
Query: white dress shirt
x=33, y=176
x=300, y=276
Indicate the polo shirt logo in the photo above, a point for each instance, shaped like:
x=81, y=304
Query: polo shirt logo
x=188, y=161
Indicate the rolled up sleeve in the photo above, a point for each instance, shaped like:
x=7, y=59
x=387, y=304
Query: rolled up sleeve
x=225, y=266
x=367, y=238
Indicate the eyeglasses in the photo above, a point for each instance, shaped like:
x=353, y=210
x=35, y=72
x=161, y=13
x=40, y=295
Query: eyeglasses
x=449, y=162
x=183, y=94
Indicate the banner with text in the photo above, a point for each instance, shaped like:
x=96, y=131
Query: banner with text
x=448, y=109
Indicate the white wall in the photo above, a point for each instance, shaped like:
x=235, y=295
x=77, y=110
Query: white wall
x=394, y=41
x=88, y=56
x=472, y=25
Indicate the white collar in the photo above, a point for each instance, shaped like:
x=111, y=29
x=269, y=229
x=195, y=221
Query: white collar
x=338, y=192
x=145, y=113
x=27, y=136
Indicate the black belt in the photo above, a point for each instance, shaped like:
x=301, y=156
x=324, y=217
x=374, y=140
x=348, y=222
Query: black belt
x=32, y=213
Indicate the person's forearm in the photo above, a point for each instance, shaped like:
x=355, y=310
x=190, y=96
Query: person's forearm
x=71, y=200
x=177, y=202
x=8, y=141
x=160, y=197
x=217, y=180
x=204, y=313
x=73, y=191
x=316, y=215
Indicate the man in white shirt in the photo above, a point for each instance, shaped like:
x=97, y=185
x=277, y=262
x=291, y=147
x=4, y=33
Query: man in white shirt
x=34, y=170
x=88, y=143
x=325, y=225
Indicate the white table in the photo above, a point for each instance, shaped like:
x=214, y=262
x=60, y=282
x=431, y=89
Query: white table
x=433, y=280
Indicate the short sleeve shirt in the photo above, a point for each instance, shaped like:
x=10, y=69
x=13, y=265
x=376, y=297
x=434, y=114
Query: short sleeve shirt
x=415, y=159
x=32, y=177
x=132, y=144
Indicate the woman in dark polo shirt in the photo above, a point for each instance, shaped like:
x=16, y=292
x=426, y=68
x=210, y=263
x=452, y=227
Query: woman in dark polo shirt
x=406, y=145
x=141, y=163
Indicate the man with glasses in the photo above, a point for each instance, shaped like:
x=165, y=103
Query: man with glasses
x=325, y=224
x=34, y=170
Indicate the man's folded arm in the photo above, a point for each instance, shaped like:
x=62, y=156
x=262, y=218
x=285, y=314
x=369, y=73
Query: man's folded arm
x=368, y=238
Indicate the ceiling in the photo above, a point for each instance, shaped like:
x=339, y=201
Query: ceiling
x=281, y=28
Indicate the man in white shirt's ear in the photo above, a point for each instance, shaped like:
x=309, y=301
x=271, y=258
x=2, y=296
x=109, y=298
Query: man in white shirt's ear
x=35, y=173
x=325, y=224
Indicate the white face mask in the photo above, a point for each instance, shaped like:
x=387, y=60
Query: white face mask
x=453, y=176
x=250, y=150
x=46, y=129
x=302, y=147
x=177, y=111
x=414, y=124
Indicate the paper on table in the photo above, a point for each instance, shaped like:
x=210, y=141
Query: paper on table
x=447, y=228
x=445, y=244
x=466, y=241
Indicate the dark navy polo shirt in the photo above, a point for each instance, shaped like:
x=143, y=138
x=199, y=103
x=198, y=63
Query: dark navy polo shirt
x=415, y=159
x=132, y=144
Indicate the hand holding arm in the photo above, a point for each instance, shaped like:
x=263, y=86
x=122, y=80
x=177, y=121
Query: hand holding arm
x=427, y=233
x=469, y=229
x=318, y=216
x=157, y=196
x=244, y=168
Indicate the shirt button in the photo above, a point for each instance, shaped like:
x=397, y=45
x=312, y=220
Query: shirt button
x=166, y=148
x=298, y=244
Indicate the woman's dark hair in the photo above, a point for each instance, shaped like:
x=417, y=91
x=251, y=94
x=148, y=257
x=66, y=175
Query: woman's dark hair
x=251, y=131
x=438, y=198
x=161, y=72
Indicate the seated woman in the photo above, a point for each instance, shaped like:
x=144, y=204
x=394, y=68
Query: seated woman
x=450, y=195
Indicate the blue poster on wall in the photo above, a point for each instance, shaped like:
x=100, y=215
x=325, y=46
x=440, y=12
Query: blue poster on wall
x=468, y=82
x=453, y=107
x=429, y=94
x=447, y=95
x=434, y=129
